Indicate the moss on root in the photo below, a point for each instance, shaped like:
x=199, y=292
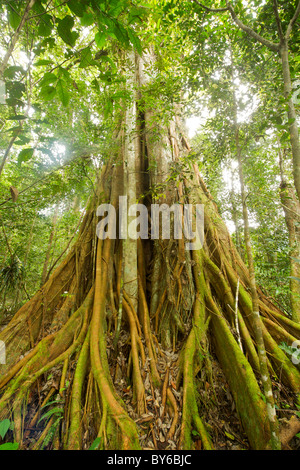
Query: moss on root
x=110, y=358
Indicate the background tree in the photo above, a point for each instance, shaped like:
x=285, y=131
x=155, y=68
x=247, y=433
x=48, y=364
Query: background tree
x=284, y=29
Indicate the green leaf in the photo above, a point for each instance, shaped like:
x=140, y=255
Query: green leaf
x=100, y=39
x=14, y=18
x=4, y=427
x=95, y=444
x=9, y=446
x=64, y=30
x=115, y=7
x=77, y=7
x=52, y=402
x=24, y=139
x=49, y=42
x=48, y=78
x=263, y=397
x=22, y=142
x=56, y=410
x=135, y=41
x=284, y=137
x=47, y=92
x=14, y=130
x=14, y=102
x=286, y=348
x=230, y=436
x=62, y=92
x=17, y=117
x=38, y=7
x=121, y=33
x=25, y=155
x=40, y=62
x=13, y=70
x=105, y=58
x=290, y=121
x=16, y=89
x=86, y=58
x=136, y=13
x=87, y=19
x=45, y=26
x=67, y=22
x=63, y=72
x=95, y=84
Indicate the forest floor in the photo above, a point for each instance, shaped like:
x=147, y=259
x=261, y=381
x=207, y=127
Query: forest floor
x=215, y=402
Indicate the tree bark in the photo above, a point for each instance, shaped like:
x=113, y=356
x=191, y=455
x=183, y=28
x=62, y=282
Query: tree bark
x=291, y=208
x=292, y=116
x=49, y=246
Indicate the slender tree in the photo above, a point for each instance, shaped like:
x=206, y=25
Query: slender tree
x=291, y=210
x=282, y=49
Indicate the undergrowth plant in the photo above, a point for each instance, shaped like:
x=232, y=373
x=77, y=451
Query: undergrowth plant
x=5, y=426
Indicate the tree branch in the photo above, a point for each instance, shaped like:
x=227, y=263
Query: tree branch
x=218, y=10
x=269, y=44
x=11, y=143
x=293, y=21
x=16, y=36
x=47, y=11
x=278, y=21
x=35, y=183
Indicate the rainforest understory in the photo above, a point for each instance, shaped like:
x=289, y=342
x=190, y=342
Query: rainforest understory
x=142, y=343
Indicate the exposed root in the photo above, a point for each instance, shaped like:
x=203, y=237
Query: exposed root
x=289, y=430
x=143, y=376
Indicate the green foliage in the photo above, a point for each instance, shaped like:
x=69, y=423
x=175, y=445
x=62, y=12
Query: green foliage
x=64, y=29
x=57, y=411
x=291, y=352
x=5, y=426
x=96, y=444
x=12, y=273
x=56, y=415
x=9, y=446
x=25, y=155
x=13, y=17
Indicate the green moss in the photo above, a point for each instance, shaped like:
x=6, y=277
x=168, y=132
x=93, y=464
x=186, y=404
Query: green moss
x=243, y=385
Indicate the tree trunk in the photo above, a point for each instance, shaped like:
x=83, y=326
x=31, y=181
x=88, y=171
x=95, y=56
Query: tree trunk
x=161, y=386
x=291, y=208
x=234, y=215
x=49, y=247
x=282, y=48
x=257, y=323
x=292, y=116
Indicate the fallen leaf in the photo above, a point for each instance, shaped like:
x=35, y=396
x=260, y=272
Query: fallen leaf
x=14, y=193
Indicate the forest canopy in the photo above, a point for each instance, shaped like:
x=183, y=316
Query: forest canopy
x=127, y=342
